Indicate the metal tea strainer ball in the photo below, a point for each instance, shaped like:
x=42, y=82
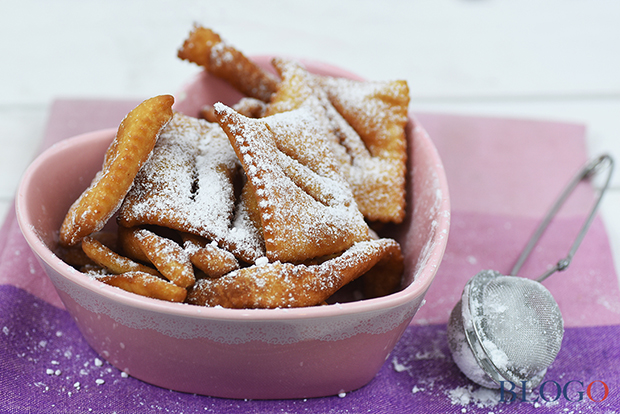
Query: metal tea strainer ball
x=509, y=328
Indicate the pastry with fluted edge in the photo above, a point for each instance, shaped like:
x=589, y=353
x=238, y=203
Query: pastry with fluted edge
x=130, y=149
x=145, y=284
x=306, y=208
x=278, y=284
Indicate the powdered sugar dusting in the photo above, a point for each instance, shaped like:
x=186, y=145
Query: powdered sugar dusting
x=305, y=206
x=372, y=107
x=188, y=185
x=290, y=285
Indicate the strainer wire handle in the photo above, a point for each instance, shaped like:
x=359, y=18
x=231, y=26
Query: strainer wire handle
x=588, y=170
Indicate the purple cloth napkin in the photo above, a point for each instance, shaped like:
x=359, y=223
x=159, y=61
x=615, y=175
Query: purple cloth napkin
x=503, y=176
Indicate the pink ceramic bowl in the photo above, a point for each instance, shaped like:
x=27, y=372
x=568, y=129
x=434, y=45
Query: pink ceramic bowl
x=255, y=354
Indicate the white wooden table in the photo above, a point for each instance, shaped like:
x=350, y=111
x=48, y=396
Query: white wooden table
x=556, y=60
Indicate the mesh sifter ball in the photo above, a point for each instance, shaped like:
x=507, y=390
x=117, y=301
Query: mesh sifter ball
x=512, y=325
x=509, y=328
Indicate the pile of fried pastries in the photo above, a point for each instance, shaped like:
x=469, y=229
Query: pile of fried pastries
x=272, y=202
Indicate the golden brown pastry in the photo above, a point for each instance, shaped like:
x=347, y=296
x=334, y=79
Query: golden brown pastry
x=168, y=257
x=306, y=208
x=188, y=185
x=209, y=258
x=371, y=148
x=145, y=284
x=377, y=111
x=130, y=149
x=112, y=261
x=261, y=204
x=286, y=285
x=207, y=49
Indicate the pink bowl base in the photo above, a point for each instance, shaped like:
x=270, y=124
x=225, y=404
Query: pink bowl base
x=224, y=368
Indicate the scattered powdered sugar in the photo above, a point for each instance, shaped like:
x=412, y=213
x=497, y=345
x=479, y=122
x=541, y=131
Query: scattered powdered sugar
x=51, y=352
x=435, y=353
x=433, y=375
x=480, y=397
x=416, y=389
x=221, y=53
x=398, y=367
x=472, y=259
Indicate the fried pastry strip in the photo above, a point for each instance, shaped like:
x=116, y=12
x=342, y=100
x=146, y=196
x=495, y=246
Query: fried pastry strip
x=75, y=256
x=287, y=285
x=110, y=260
x=209, y=258
x=145, y=284
x=167, y=256
x=129, y=244
x=207, y=49
x=130, y=149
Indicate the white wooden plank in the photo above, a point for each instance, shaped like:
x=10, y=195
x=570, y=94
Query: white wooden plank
x=444, y=48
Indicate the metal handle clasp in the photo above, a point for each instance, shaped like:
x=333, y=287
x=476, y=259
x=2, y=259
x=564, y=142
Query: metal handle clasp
x=590, y=169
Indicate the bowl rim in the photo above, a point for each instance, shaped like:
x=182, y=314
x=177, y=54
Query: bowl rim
x=417, y=287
